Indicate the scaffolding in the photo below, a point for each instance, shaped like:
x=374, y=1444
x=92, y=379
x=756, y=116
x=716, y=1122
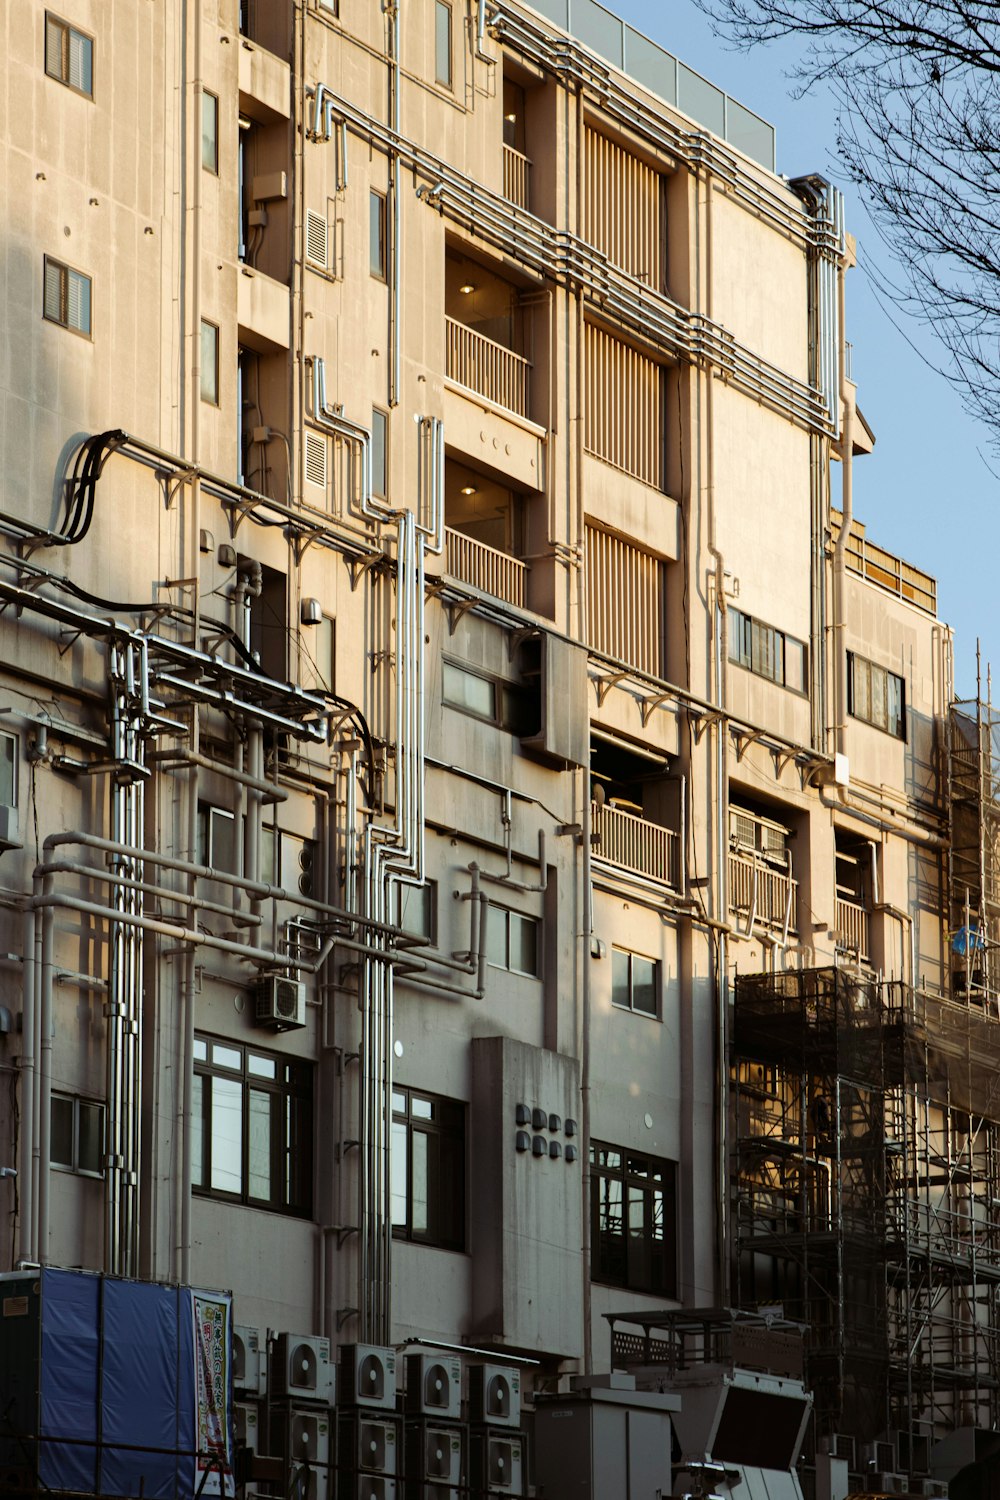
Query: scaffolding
x=974, y=859
x=866, y=1180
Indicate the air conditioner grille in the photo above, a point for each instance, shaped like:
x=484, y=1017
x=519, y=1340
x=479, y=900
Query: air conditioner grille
x=316, y=450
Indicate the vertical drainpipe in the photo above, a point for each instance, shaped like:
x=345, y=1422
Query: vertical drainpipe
x=394, y=214
x=26, y=1195
x=721, y=643
x=192, y=140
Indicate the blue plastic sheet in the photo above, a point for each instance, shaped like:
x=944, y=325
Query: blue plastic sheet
x=70, y=1350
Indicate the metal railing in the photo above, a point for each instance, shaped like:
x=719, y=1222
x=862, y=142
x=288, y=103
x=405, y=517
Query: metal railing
x=632, y=843
x=487, y=367
x=885, y=569
x=757, y=889
x=851, y=927
x=516, y=170
x=485, y=568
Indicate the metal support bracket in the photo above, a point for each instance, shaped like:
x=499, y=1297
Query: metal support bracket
x=359, y=566
x=648, y=706
x=603, y=685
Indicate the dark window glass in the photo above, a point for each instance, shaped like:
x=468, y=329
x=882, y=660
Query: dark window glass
x=209, y=131
x=635, y=982
x=766, y=652
x=513, y=941
x=380, y=433
x=252, y=1127
x=428, y=1169
x=377, y=235
x=66, y=297
x=633, y=1220
x=77, y=1134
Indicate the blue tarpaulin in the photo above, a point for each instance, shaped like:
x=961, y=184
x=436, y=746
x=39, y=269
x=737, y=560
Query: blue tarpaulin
x=124, y=1402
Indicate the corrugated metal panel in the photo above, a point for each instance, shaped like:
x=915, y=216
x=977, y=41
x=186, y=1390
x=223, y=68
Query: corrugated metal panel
x=622, y=208
x=624, y=412
x=625, y=601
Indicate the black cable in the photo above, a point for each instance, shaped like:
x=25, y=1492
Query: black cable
x=82, y=486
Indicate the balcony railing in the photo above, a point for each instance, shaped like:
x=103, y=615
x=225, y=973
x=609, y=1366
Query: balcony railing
x=487, y=367
x=634, y=844
x=516, y=168
x=485, y=568
x=851, y=927
x=759, y=891
x=885, y=569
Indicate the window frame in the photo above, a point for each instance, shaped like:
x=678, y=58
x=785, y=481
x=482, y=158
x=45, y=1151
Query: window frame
x=508, y=698
x=378, y=234
x=13, y=741
x=887, y=677
x=74, y=1167
x=293, y=1084
x=747, y=638
x=450, y=1232
x=67, y=31
x=211, y=166
x=429, y=888
x=628, y=1176
x=506, y=912
x=65, y=272
x=443, y=12
x=380, y=421
x=212, y=399
x=656, y=1014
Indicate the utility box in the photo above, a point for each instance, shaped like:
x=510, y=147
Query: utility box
x=604, y=1439
x=112, y=1387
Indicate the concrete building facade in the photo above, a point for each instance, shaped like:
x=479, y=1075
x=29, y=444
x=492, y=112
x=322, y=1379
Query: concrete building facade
x=467, y=770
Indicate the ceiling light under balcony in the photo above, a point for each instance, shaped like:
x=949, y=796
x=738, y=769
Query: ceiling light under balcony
x=467, y=290
x=469, y=489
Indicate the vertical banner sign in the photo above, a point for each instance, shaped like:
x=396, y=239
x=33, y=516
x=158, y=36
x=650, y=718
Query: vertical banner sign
x=212, y=1316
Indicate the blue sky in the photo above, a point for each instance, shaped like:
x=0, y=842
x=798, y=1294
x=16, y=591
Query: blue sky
x=926, y=492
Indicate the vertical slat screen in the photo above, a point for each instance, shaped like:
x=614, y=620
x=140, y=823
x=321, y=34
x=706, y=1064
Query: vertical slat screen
x=624, y=416
x=621, y=213
x=625, y=602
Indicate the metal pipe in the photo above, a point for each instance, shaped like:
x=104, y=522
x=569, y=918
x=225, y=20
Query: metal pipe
x=179, y=757
x=840, y=549
x=45, y=1087
x=26, y=1195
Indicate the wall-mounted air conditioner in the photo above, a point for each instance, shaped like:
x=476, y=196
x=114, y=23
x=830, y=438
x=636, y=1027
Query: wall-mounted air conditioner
x=280, y=1002
x=368, y=1455
x=435, y=1461
x=497, y=1463
x=434, y=1385
x=301, y=1369
x=556, y=670
x=246, y=1425
x=303, y=1438
x=249, y=1365
x=367, y=1376
x=495, y=1395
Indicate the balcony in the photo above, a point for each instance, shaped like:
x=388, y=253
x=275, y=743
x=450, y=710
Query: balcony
x=486, y=367
x=632, y=843
x=485, y=568
x=851, y=929
x=761, y=893
x=516, y=170
x=884, y=569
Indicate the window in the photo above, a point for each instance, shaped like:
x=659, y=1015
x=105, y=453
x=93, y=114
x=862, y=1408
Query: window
x=635, y=983
x=493, y=699
x=766, y=652
x=67, y=297
x=69, y=56
x=251, y=1127
x=377, y=252
x=77, y=1143
x=209, y=131
x=416, y=910
x=428, y=1169
x=210, y=363
x=633, y=1210
x=442, y=43
x=876, y=695
x=512, y=941
x=380, y=452
x=216, y=838
x=287, y=860
x=8, y=770
x=330, y=5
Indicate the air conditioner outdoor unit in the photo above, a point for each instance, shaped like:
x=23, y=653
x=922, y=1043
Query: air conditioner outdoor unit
x=880, y=1456
x=934, y=1488
x=434, y=1385
x=366, y=1487
x=301, y=1369
x=439, y=1459
x=367, y=1376
x=304, y=1438
x=497, y=1463
x=280, y=1002
x=249, y=1368
x=246, y=1425
x=495, y=1395
x=376, y=1446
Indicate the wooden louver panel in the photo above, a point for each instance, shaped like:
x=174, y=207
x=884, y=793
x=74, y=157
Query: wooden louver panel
x=622, y=214
x=625, y=602
x=624, y=416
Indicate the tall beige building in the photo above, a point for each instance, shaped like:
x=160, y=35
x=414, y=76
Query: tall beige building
x=488, y=840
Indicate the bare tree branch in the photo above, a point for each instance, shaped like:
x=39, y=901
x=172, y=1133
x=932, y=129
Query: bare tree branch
x=917, y=88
